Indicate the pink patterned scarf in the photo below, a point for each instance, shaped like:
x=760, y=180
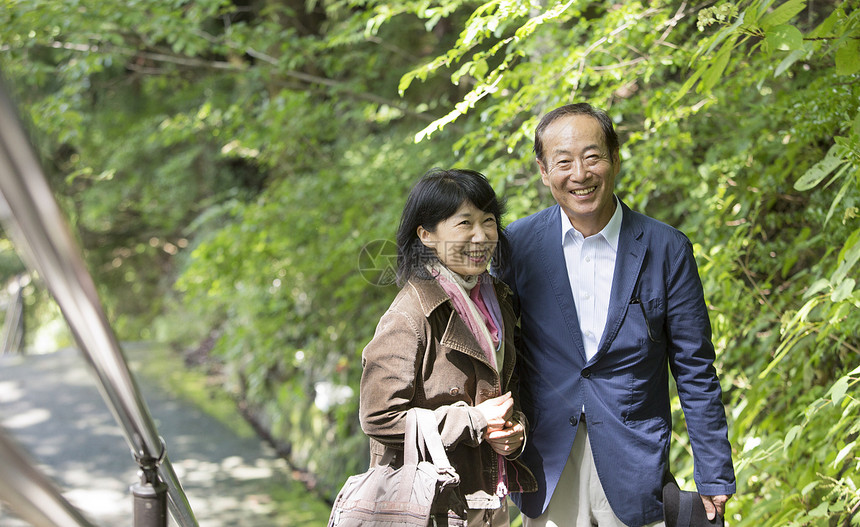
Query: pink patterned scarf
x=474, y=298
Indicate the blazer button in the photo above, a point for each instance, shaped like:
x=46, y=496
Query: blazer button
x=454, y=391
x=586, y=373
x=572, y=420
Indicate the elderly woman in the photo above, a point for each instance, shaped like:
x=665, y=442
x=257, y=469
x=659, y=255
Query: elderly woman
x=446, y=344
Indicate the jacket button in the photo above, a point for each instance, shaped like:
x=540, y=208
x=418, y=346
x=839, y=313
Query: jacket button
x=572, y=420
x=454, y=391
x=586, y=373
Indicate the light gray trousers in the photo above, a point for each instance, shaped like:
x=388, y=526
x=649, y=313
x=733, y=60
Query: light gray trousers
x=579, y=500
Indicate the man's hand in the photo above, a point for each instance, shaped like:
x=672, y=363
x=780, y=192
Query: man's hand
x=715, y=505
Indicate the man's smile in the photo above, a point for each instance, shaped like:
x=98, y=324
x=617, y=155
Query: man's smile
x=584, y=191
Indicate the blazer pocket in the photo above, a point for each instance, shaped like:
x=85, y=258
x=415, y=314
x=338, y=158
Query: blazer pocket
x=652, y=314
x=652, y=432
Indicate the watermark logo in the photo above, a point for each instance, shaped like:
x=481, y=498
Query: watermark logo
x=377, y=262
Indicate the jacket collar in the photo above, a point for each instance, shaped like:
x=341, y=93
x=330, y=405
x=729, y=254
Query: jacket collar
x=551, y=253
x=457, y=336
x=429, y=293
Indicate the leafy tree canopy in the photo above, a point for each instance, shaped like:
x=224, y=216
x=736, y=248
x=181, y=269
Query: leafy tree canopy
x=227, y=161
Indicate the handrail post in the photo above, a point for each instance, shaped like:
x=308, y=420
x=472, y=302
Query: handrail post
x=150, y=493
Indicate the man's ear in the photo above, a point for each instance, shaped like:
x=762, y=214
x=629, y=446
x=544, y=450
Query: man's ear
x=616, y=161
x=544, y=175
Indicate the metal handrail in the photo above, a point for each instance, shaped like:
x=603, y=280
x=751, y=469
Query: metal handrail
x=44, y=241
x=12, y=335
x=30, y=493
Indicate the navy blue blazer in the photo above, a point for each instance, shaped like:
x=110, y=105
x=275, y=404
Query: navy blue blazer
x=657, y=315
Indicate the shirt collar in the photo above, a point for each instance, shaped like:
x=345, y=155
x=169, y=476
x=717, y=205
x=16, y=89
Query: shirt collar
x=611, y=232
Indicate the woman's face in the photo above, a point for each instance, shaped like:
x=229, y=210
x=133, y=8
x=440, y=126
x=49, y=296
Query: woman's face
x=464, y=242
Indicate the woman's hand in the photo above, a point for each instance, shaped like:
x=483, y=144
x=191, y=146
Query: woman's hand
x=503, y=435
x=497, y=411
x=508, y=440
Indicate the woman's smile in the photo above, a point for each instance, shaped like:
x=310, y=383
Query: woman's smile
x=465, y=241
x=479, y=255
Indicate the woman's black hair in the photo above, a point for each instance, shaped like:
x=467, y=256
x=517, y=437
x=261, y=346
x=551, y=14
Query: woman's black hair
x=436, y=197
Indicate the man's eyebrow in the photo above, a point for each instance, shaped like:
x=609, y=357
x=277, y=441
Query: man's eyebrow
x=593, y=146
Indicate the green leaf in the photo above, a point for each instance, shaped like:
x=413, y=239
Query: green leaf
x=405, y=81
x=825, y=28
x=843, y=291
x=843, y=453
x=688, y=85
x=479, y=70
x=819, y=285
x=852, y=254
x=809, y=487
x=820, y=170
x=462, y=70
x=787, y=62
x=838, y=390
x=792, y=434
x=782, y=14
x=848, y=57
x=730, y=33
x=820, y=511
x=713, y=74
x=848, y=184
x=783, y=38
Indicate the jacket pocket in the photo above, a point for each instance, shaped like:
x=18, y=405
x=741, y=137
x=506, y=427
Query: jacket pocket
x=651, y=314
x=652, y=432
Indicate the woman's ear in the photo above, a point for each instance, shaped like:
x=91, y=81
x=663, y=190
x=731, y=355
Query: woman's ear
x=424, y=235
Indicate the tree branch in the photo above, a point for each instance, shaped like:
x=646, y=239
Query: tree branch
x=831, y=38
x=194, y=62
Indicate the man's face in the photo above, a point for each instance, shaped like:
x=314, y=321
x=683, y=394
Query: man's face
x=580, y=171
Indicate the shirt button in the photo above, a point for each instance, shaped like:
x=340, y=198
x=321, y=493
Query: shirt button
x=588, y=258
x=572, y=420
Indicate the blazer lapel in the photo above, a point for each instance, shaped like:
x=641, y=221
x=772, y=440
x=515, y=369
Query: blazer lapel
x=628, y=264
x=555, y=269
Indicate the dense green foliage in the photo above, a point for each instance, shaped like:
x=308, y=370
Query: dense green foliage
x=225, y=163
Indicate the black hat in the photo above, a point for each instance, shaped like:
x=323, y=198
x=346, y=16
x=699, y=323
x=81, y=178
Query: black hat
x=683, y=508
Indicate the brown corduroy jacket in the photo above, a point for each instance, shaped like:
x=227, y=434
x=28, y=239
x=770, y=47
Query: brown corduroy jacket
x=423, y=355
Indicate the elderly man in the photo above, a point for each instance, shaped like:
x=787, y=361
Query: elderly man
x=607, y=297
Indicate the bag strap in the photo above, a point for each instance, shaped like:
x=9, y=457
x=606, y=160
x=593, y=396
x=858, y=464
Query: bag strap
x=410, y=440
x=422, y=440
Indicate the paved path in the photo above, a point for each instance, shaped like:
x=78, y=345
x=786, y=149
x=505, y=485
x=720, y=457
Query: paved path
x=50, y=405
